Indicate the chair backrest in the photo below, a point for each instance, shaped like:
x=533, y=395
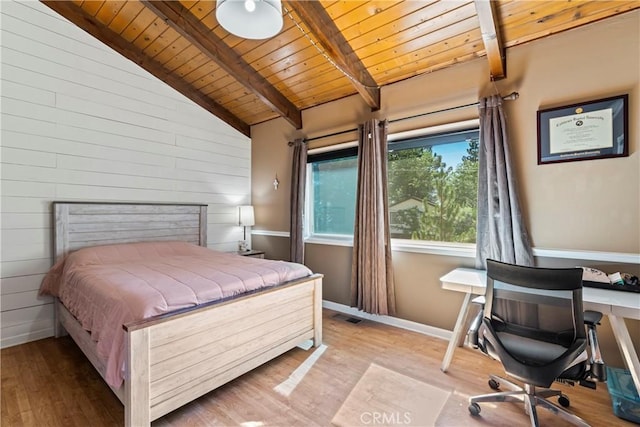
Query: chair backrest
x=543, y=304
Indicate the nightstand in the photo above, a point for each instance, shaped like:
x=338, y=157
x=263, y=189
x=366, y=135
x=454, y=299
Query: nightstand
x=252, y=253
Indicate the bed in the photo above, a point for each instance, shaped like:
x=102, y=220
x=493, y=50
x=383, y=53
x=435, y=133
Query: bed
x=173, y=358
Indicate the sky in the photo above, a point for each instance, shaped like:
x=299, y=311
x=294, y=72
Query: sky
x=451, y=153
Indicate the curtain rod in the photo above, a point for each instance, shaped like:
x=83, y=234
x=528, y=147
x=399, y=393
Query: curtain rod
x=511, y=97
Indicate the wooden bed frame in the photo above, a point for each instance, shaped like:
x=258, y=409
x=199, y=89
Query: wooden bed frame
x=175, y=358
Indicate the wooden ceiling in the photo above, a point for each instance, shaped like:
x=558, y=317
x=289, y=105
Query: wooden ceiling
x=375, y=43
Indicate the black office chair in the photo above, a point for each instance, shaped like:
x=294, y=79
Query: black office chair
x=532, y=321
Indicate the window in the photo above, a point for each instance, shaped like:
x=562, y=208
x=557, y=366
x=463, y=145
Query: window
x=331, y=192
x=433, y=186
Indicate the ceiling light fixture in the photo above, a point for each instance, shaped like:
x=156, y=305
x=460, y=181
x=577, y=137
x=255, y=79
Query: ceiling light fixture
x=250, y=19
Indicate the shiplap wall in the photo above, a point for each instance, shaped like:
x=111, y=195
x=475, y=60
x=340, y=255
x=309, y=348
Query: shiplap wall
x=80, y=122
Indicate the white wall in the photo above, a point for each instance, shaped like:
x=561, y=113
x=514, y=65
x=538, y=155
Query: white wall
x=80, y=122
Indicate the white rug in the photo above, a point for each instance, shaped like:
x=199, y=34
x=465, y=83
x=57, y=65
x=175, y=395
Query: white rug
x=384, y=397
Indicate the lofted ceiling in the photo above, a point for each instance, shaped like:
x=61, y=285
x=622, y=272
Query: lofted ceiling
x=326, y=50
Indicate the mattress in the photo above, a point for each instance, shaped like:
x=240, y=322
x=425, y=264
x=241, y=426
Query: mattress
x=106, y=287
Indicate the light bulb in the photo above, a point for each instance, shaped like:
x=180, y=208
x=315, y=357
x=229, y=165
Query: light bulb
x=250, y=5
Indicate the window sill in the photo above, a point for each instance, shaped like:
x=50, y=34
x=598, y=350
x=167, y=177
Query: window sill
x=465, y=250
x=462, y=250
x=332, y=240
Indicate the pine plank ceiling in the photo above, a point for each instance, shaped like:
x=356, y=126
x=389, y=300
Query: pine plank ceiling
x=377, y=42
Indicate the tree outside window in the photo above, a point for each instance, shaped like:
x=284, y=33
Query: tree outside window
x=432, y=189
x=444, y=196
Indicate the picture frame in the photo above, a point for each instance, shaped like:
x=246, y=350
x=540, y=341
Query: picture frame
x=585, y=131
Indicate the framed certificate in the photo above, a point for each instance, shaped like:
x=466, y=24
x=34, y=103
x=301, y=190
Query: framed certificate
x=590, y=130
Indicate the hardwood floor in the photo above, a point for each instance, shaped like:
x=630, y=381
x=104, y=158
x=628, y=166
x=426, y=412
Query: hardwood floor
x=50, y=383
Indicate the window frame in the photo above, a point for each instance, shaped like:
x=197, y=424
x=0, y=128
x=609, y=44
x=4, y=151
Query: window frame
x=464, y=250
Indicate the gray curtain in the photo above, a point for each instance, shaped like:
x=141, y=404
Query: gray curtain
x=372, y=286
x=501, y=234
x=298, y=181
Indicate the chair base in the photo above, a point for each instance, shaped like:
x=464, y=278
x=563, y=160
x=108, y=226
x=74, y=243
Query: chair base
x=530, y=396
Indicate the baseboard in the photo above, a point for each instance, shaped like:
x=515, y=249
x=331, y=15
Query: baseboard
x=389, y=320
x=25, y=338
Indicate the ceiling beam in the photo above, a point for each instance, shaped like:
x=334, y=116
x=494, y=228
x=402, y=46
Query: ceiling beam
x=316, y=18
x=89, y=24
x=189, y=27
x=491, y=37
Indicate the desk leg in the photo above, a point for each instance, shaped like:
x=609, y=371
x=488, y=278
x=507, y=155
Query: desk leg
x=625, y=345
x=457, y=331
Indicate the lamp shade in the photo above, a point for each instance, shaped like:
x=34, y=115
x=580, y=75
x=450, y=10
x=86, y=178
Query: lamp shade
x=250, y=19
x=246, y=218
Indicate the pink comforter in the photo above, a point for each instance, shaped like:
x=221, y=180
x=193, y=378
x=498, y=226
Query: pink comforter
x=105, y=287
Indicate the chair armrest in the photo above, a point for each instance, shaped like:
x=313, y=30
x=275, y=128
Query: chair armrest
x=472, y=334
x=592, y=318
x=597, y=369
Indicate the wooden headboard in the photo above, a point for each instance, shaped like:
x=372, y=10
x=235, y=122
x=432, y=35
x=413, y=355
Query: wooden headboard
x=82, y=224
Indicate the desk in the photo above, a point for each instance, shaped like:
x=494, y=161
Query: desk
x=614, y=304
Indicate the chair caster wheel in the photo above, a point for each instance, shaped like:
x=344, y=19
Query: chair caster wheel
x=474, y=409
x=495, y=385
x=563, y=400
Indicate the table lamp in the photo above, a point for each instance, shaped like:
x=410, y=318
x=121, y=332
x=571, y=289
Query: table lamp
x=245, y=219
